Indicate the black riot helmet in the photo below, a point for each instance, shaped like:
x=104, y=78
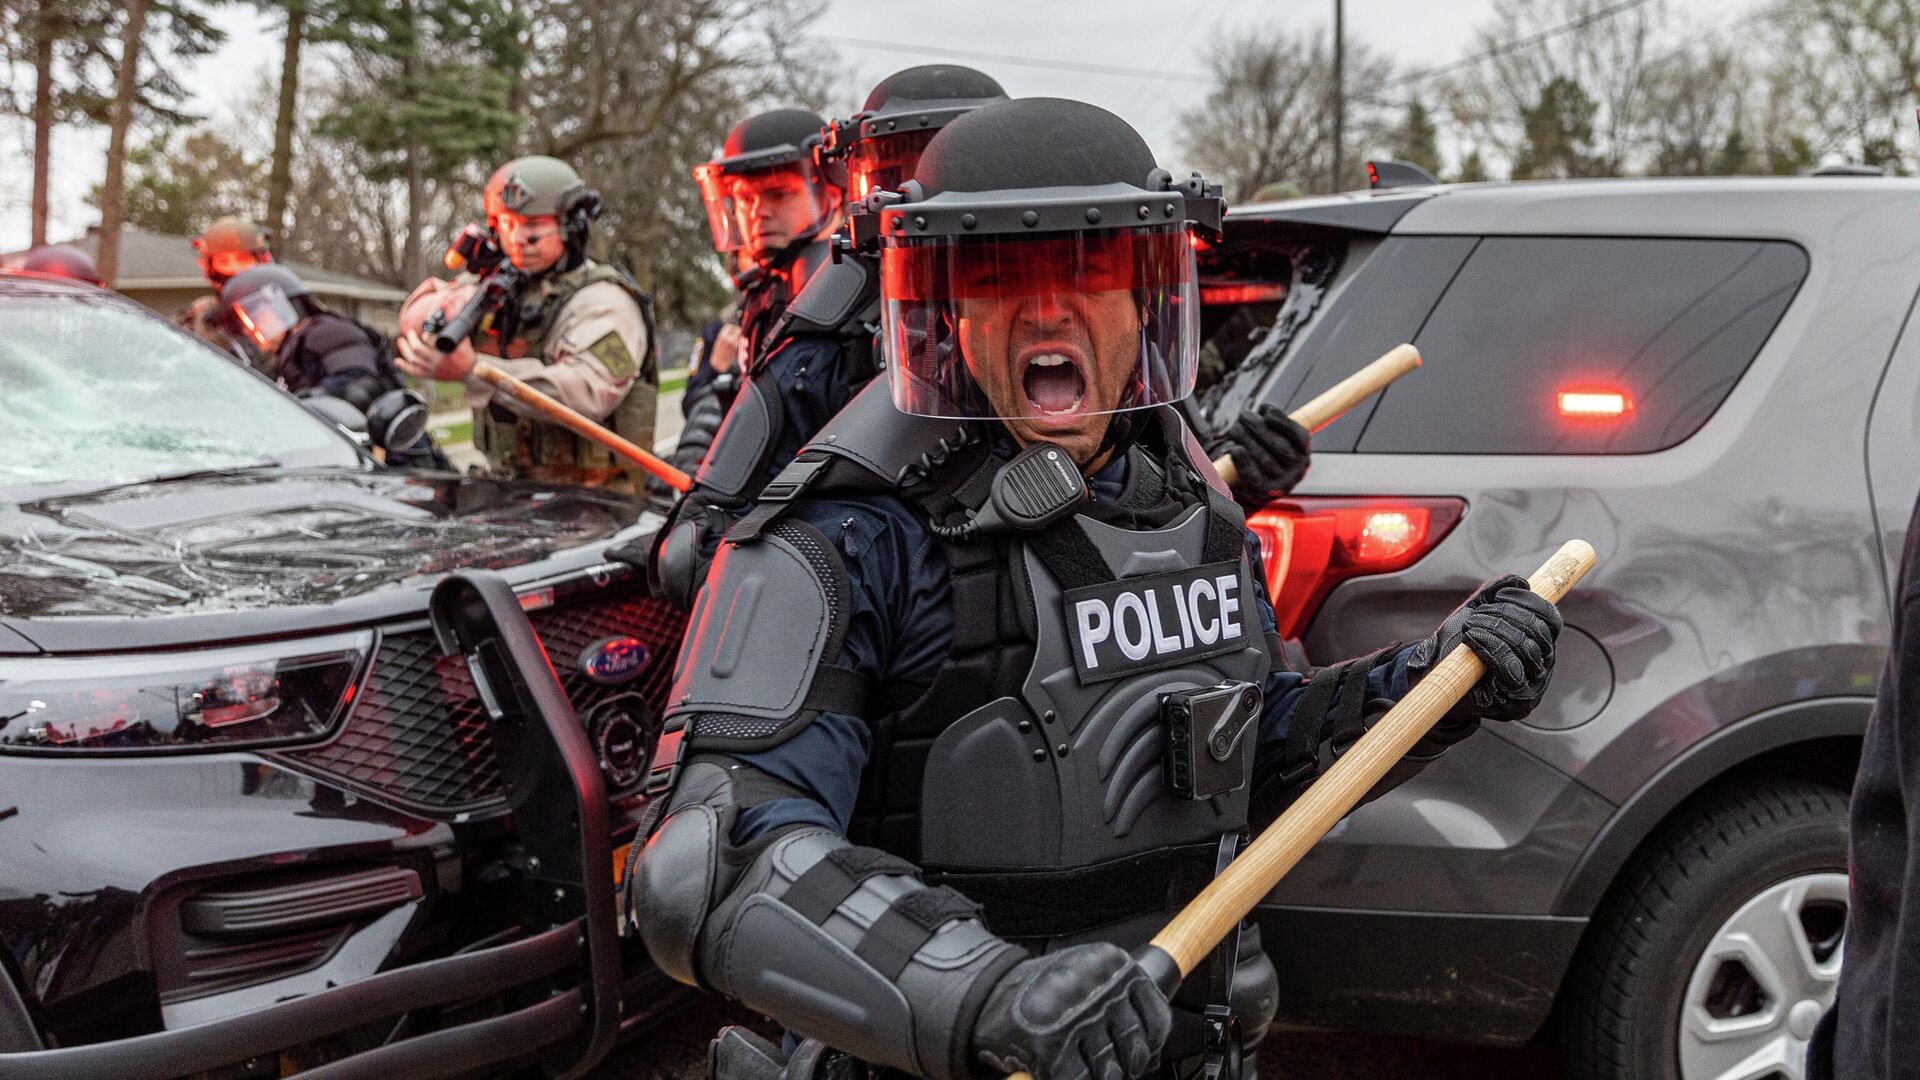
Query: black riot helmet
x=882, y=142
x=62, y=260
x=267, y=301
x=766, y=195
x=1039, y=268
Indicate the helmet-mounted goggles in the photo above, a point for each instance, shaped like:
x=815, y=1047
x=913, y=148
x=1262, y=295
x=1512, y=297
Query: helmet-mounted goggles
x=1040, y=304
x=766, y=199
x=881, y=148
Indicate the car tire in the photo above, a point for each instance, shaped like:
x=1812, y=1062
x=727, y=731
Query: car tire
x=1693, y=968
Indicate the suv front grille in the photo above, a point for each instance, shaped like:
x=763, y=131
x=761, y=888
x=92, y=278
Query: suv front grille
x=417, y=736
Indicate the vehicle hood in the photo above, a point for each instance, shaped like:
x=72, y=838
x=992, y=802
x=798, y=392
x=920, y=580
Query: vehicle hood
x=238, y=543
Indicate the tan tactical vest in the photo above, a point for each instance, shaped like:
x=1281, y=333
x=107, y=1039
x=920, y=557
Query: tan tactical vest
x=524, y=448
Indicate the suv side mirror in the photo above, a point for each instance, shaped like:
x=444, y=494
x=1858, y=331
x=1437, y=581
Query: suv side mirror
x=396, y=419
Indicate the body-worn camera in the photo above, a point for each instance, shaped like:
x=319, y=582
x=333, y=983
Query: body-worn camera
x=1204, y=730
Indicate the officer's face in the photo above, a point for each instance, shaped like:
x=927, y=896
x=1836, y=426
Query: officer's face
x=772, y=209
x=533, y=244
x=1053, y=365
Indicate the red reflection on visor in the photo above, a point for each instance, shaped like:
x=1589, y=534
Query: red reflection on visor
x=1017, y=266
x=884, y=162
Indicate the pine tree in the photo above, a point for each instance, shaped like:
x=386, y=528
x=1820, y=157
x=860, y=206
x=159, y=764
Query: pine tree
x=1419, y=142
x=1559, y=131
x=1473, y=169
x=441, y=74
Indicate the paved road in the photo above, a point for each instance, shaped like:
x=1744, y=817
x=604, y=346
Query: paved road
x=679, y=1053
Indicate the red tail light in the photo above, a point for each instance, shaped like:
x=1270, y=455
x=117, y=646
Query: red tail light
x=1311, y=544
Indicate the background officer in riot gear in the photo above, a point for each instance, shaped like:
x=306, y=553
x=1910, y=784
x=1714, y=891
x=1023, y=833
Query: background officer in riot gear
x=820, y=350
x=313, y=350
x=581, y=333
x=771, y=206
x=227, y=247
x=960, y=774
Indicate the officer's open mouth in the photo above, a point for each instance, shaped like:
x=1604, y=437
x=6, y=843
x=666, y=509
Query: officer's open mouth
x=1053, y=382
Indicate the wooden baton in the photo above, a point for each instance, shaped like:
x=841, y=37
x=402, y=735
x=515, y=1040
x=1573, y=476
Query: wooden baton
x=581, y=426
x=1186, y=942
x=1328, y=406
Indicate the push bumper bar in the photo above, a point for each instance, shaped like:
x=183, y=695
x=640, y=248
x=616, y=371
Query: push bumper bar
x=561, y=982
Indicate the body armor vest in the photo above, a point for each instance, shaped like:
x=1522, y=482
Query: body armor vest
x=515, y=444
x=1048, y=710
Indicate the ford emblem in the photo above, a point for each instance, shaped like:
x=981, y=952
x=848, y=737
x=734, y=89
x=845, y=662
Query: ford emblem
x=612, y=661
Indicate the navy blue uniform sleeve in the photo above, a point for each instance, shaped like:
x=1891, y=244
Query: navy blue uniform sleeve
x=810, y=373
x=1284, y=687
x=897, y=637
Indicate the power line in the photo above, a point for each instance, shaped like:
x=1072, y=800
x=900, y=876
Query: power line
x=1530, y=40
x=1017, y=61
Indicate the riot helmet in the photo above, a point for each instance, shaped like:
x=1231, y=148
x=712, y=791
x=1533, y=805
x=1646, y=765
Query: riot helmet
x=765, y=192
x=229, y=246
x=1039, y=268
x=62, y=260
x=267, y=302
x=881, y=143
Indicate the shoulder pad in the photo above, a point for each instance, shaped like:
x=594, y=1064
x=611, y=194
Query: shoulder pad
x=874, y=435
x=834, y=297
x=327, y=331
x=770, y=613
x=1181, y=435
x=738, y=454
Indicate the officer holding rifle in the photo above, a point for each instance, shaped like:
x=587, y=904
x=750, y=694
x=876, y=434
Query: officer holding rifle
x=534, y=305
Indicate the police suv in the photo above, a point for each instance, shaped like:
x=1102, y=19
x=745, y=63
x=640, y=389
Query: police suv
x=1714, y=381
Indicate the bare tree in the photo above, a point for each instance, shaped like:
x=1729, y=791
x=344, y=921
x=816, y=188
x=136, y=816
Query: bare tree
x=1849, y=70
x=634, y=93
x=132, y=31
x=1574, y=52
x=1267, y=119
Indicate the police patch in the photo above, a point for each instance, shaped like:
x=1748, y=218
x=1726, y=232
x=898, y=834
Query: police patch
x=1157, y=621
x=612, y=352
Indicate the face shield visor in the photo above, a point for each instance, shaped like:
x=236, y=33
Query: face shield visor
x=764, y=209
x=221, y=266
x=884, y=162
x=1040, y=330
x=266, y=314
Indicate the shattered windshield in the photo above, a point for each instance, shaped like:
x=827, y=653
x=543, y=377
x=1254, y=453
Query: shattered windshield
x=94, y=393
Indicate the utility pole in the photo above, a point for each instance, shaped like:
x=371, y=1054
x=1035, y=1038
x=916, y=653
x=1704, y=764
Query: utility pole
x=1339, y=91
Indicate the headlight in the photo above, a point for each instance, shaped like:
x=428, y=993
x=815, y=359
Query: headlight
x=213, y=699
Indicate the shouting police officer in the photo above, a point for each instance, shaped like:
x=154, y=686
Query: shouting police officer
x=580, y=332
x=994, y=729
x=314, y=350
x=227, y=247
x=820, y=350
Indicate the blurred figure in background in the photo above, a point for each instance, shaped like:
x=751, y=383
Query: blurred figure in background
x=228, y=246
x=316, y=351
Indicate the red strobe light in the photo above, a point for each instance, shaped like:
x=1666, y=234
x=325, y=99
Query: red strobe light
x=1595, y=404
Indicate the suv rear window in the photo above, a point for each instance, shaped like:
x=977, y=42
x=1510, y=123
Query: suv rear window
x=1663, y=328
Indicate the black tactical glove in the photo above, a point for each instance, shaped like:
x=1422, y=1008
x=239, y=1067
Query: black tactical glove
x=1086, y=1012
x=1269, y=450
x=1512, y=629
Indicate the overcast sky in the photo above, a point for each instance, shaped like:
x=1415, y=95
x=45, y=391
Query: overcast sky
x=1172, y=40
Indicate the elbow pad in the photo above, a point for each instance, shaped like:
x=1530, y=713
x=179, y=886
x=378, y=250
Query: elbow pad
x=837, y=942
